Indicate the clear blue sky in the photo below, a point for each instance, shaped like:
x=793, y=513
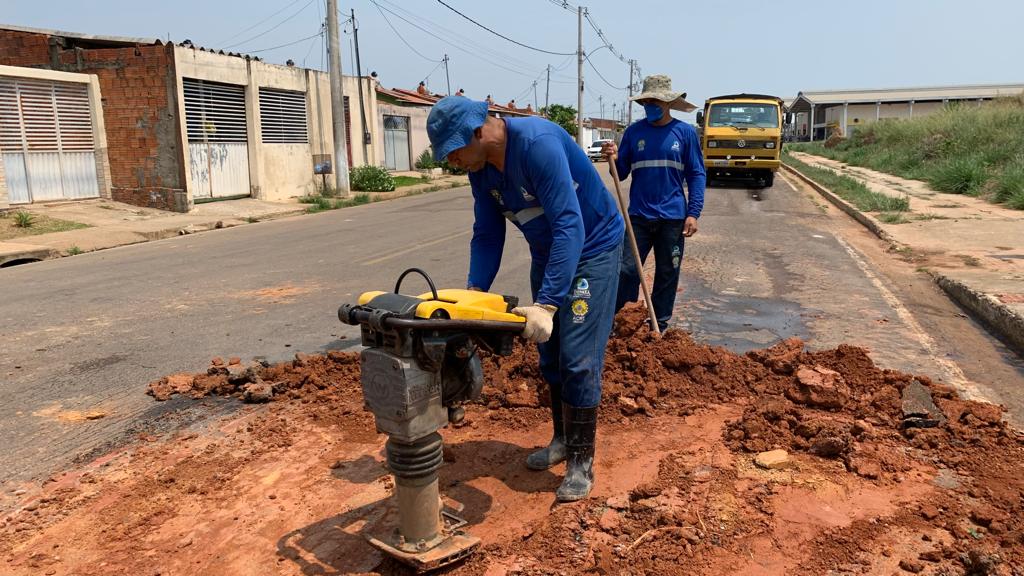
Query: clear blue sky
x=709, y=48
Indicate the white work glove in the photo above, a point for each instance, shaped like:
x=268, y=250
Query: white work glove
x=540, y=321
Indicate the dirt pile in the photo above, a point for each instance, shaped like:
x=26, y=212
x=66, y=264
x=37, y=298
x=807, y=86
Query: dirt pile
x=872, y=482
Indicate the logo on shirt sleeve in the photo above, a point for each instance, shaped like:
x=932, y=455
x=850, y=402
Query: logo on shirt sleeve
x=640, y=145
x=675, y=146
x=579, y=311
x=582, y=289
x=497, y=197
x=526, y=195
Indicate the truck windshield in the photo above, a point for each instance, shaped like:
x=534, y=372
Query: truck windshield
x=759, y=115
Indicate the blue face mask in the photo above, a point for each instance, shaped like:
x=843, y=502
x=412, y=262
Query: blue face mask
x=654, y=112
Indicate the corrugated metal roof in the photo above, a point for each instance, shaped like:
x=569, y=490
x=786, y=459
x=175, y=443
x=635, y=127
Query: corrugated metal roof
x=916, y=94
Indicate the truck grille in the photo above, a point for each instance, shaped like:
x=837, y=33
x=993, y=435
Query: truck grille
x=747, y=144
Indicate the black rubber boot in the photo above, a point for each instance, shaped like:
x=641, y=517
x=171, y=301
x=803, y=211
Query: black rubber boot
x=580, y=431
x=555, y=451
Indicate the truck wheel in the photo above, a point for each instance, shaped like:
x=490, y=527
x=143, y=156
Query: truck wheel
x=769, y=179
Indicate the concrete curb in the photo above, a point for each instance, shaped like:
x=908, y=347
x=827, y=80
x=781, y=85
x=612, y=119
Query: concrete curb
x=866, y=220
x=998, y=317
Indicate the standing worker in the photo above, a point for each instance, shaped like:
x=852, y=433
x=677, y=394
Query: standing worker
x=661, y=153
x=530, y=171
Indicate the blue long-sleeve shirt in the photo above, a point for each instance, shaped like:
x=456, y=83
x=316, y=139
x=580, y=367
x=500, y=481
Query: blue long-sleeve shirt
x=552, y=193
x=661, y=158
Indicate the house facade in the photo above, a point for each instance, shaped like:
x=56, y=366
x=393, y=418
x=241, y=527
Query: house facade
x=176, y=124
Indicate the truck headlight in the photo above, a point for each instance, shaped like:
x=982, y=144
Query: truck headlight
x=712, y=144
x=769, y=144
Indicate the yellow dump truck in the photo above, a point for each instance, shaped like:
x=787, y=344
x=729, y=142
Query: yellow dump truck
x=741, y=137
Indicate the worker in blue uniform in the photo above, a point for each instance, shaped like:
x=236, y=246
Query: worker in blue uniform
x=662, y=154
x=531, y=172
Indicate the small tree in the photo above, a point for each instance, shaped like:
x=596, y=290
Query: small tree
x=564, y=116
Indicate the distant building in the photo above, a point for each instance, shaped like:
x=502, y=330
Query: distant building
x=817, y=112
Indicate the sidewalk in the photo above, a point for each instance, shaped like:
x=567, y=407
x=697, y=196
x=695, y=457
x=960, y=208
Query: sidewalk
x=116, y=224
x=113, y=224
x=973, y=249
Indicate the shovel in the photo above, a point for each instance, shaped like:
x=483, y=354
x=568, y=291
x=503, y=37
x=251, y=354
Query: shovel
x=632, y=244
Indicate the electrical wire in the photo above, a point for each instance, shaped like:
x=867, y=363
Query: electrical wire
x=320, y=20
x=237, y=34
x=431, y=73
x=272, y=28
x=458, y=39
x=456, y=46
x=284, y=45
x=499, y=35
x=400, y=37
x=601, y=76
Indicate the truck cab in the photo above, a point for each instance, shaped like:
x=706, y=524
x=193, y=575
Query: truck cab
x=741, y=137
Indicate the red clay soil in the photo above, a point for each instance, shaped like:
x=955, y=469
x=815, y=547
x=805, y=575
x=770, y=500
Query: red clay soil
x=292, y=486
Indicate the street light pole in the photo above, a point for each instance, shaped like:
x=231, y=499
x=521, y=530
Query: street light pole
x=579, y=75
x=337, y=102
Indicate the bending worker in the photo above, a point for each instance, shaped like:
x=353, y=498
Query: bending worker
x=661, y=153
x=530, y=171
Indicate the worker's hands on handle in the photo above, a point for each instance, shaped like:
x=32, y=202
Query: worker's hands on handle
x=610, y=150
x=540, y=321
x=689, y=226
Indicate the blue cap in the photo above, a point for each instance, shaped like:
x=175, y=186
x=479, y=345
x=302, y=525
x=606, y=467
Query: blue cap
x=451, y=124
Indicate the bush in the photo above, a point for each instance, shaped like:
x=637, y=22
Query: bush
x=960, y=175
x=23, y=219
x=426, y=160
x=1010, y=185
x=371, y=179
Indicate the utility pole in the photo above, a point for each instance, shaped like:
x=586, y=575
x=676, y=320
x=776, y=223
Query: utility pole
x=446, y=76
x=547, y=89
x=579, y=75
x=337, y=102
x=535, y=96
x=600, y=105
x=629, y=103
x=362, y=106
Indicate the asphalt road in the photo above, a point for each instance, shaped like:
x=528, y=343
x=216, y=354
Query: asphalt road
x=88, y=333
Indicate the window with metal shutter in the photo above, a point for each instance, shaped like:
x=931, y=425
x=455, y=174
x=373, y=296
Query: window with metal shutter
x=283, y=116
x=42, y=116
x=214, y=112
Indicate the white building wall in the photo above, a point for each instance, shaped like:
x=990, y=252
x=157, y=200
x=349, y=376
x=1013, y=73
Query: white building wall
x=280, y=171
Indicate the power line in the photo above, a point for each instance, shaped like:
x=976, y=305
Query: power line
x=320, y=33
x=456, y=46
x=431, y=73
x=237, y=34
x=272, y=28
x=458, y=39
x=499, y=35
x=601, y=76
x=397, y=33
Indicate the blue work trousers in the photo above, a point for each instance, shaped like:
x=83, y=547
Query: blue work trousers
x=572, y=360
x=666, y=238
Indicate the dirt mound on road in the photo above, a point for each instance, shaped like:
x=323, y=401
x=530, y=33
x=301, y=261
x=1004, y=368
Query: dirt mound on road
x=289, y=487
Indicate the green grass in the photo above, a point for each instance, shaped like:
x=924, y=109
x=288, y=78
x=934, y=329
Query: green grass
x=893, y=218
x=849, y=189
x=409, y=180
x=320, y=203
x=11, y=225
x=962, y=149
x=74, y=251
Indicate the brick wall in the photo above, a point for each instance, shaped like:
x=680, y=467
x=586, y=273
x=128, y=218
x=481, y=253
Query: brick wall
x=139, y=110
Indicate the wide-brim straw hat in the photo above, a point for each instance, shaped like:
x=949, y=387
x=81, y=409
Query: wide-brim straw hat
x=659, y=87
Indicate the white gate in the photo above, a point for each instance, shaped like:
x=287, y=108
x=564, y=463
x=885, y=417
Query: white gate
x=46, y=140
x=217, y=144
x=396, y=143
